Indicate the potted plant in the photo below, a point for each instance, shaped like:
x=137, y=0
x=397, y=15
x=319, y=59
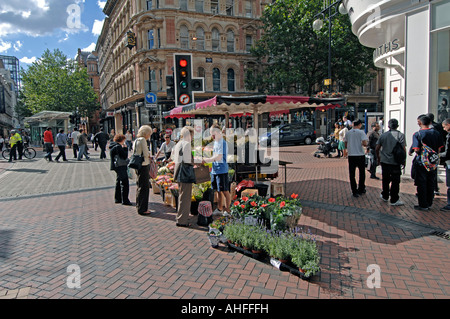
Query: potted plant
x=305, y=254
x=213, y=239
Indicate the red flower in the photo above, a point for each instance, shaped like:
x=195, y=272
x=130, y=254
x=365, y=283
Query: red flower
x=242, y=206
x=253, y=204
x=282, y=204
x=294, y=196
x=271, y=200
x=263, y=205
x=245, y=198
x=235, y=196
x=236, y=203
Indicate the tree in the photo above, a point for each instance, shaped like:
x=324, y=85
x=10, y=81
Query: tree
x=56, y=83
x=291, y=57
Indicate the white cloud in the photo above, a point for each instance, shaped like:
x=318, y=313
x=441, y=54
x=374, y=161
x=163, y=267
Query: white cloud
x=5, y=46
x=41, y=4
x=90, y=48
x=17, y=45
x=28, y=60
x=97, y=27
x=101, y=4
x=65, y=39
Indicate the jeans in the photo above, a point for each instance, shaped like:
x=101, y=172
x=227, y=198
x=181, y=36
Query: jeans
x=360, y=163
x=391, y=181
x=82, y=152
x=373, y=167
x=48, y=147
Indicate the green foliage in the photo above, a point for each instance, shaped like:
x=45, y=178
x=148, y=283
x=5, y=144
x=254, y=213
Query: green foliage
x=56, y=83
x=291, y=55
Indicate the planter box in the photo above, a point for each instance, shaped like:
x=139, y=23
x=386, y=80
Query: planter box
x=246, y=252
x=155, y=187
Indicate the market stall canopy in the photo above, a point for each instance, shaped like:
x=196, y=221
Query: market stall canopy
x=254, y=104
x=46, y=116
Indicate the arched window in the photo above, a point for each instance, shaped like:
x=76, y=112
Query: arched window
x=230, y=41
x=184, y=37
x=215, y=35
x=230, y=80
x=200, y=35
x=183, y=5
x=216, y=79
x=151, y=39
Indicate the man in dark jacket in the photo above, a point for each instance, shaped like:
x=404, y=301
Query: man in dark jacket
x=118, y=150
x=445, y=157
x=101, y=138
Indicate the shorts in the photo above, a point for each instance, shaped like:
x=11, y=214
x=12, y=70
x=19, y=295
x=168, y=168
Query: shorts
x=220, y=182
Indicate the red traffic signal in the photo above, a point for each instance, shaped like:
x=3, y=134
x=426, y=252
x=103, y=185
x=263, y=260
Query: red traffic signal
x=183, y=63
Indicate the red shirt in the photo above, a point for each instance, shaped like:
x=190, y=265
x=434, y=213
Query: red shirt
x=48, y=137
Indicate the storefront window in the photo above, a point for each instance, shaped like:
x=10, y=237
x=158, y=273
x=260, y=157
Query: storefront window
x=440, y=58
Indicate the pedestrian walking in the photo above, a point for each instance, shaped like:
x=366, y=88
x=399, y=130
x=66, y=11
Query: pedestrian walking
x=154, y=140
x=14, y=140
x=82, y=144
x=425, y=176
x=445, y=158
x=74, y=137
x=119, y=155
x=101, y=139
x=143, y=175
x=373, y=137
x=219, y=173
x=391, y=171
x=48, y=144
x=355, y=141
x=129, y=140
x=111, y=135
x=184, y=175
x=341, y=146
x=61, y=142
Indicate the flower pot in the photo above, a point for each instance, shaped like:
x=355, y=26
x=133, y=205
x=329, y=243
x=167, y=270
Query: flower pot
x=256, y=251
x=284, y=261
x=213, y=240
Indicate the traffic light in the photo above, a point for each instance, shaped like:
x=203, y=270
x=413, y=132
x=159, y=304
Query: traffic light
x=170, y=87
x=185, y=83
x=183, y=69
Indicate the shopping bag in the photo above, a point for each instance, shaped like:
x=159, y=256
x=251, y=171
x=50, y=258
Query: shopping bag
x=202, y=174
x=153, y=169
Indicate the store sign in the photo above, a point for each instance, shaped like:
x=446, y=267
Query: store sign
x=386, y=48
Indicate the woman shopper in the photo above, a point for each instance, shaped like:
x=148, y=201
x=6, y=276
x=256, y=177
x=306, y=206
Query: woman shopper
x=119, y=155
x=143, y=175
x=183, y=161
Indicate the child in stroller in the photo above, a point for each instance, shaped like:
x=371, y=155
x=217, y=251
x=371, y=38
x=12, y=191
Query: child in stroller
x=326, y=147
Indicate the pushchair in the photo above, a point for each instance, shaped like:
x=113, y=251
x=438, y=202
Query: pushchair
x=326, y=147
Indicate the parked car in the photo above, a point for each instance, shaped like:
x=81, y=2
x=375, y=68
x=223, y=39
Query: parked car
x=293, y=133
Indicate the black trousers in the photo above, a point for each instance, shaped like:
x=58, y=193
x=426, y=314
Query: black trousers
x=122, y=185
x=102, y=151
x=20, y=149
x=425, y=182
x=391, y=181
x=62, y=152
x=75, y=150
x=142, y=189
x=373, y=168
x=357, y=162
x=13, y=153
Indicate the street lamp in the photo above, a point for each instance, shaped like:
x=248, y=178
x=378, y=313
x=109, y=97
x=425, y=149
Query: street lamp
x=338, y=7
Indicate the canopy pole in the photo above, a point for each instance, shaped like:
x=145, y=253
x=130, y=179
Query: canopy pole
x=227, y=118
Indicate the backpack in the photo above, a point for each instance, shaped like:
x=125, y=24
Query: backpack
x=429, y=157
x=399, y=153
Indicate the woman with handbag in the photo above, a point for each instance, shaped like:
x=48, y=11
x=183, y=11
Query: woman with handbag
x=184, y=175
x=143, y=173
x=119, y=162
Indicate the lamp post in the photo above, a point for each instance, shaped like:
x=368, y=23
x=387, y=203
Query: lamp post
x=327, y=13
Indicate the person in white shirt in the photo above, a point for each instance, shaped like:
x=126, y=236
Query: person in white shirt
x=74, y=137
x=355, y=141
x=166, y=148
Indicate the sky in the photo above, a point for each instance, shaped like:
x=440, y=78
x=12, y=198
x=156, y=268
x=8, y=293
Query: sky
x=29, y=27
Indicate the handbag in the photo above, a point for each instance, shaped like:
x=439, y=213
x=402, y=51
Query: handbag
x=136, y=160
x=185, y=172
x=120, y=162
x=202, y=174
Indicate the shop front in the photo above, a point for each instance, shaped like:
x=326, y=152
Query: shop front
x=411, y=41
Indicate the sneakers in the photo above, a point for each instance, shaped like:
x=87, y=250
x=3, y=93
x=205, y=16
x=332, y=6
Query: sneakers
x=384, y=199
x=417, y=207
x=398, y=203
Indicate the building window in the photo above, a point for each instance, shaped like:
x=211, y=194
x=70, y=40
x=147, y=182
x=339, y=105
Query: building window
x=215, y=6
x=151, y=39
x=229, y=7
x=230, y=41
x=248, y=42
x=215, y=35
x=149, y=4
x=216, y=79
x=248, y=9
x=200, y=38
x=231, y=81
x=199, y=5
x=184, y=37
x=201, y=72
x=183, y=5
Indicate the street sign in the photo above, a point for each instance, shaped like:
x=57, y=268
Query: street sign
x=150, y=98
x=184, y=99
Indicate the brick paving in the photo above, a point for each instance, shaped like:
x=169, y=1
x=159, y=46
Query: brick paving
x=54, y=215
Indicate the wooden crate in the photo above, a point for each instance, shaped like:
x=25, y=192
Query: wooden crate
x=155, y=187
x=249, y=192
